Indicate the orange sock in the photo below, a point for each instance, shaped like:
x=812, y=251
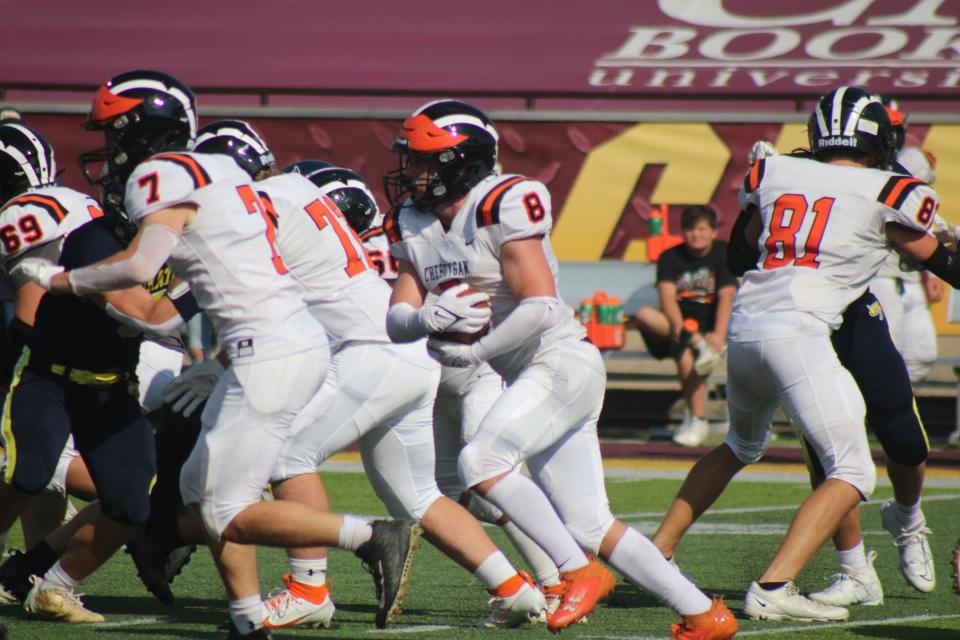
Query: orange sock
x=508, y=587
x=315, y=594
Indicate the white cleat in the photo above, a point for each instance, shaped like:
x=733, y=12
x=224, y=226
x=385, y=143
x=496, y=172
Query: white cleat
x=526, y=605
x=292, y=607
x=693, y=433
x=853, y=588
x=56, y=603
x=787, y=603
x=916, y=560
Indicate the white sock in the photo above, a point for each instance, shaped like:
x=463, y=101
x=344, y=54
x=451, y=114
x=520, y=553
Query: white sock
x=57, y=577
x=247, y=614
x=544, y=571
x=525, y=505
x=354, y=532
x=853, y=560
x=643, y=565
x=495, y=570
x=910, y=517
x=311, y=571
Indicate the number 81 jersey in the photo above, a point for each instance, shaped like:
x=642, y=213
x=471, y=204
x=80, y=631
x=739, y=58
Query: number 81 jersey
x=823, y=232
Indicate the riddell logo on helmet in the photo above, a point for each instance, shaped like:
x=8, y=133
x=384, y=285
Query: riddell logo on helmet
x=837, y=142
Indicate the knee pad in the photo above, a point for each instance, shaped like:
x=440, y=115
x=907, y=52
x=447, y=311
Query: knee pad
x=128, y=503
x=478, y=462
x=746, y=451
x=862, y=475
x=588, y=527
x=900, y=433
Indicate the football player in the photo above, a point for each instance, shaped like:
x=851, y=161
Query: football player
x=378, y=394
x=464, y=395
x=63, y=386
x=456, y=220
x=821, y=221
x=200, y=214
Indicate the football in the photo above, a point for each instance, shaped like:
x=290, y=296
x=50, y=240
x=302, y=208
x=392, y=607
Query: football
x=461, y=336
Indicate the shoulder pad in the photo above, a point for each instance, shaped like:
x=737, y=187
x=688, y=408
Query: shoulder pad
x=488, y=209
x=189, y=164
x=753, y=178
x=897, y=189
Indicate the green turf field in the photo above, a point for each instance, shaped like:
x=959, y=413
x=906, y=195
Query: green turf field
x=444, y=602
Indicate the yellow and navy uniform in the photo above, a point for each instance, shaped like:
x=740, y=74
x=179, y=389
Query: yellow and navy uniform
x=77, y=376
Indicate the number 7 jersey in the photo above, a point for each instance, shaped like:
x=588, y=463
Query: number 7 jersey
x=823, y=233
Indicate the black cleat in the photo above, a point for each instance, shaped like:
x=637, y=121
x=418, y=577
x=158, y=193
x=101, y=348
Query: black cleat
x=258, y=634
x=14, y=579
x=388, y=555
x=157, y=567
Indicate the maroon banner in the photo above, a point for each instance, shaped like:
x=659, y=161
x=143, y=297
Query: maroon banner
x=604, y=48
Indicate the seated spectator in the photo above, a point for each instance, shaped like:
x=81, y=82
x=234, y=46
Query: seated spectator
x=696, y=295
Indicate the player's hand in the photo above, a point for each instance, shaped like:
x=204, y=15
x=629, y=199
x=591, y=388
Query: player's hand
x=715, y=341
x=452, y=354
x=761, y=149
x=38, y=271
x=933, y=288
x=440, y=313
x=191, y=388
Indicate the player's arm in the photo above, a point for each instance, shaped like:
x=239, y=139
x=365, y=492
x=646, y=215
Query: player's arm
x=927, y=250
x=527, y=273
x=138, y=263
x=742, y=251
x=412, y=316
x=137, y=308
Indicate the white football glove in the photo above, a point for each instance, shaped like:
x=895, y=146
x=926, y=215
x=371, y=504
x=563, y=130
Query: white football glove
x=761, y=149
x=449, y=309
x=191, y=388
x=37, y=271
x=452, y=354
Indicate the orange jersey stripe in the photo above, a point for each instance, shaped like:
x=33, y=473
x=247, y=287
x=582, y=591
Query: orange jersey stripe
x=486, y=208
x=903, y=183
x=50, y=204
x=200, y=177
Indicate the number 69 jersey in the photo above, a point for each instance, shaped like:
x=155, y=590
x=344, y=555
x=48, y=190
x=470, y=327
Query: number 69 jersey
x=499, y=209
x=41, y=216
x=227, y=254
x=823, y=234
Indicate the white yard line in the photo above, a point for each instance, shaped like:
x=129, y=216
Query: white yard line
x=420, y=628
x=133, y=622
x=773, y=630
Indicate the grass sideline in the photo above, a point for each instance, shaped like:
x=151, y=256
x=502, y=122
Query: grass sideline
x=723, y=554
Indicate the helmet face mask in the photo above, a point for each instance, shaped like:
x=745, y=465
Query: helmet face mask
x=445, y=148
x=141, y=113
x=26, y=160
x=347, y=189
x=848, y=121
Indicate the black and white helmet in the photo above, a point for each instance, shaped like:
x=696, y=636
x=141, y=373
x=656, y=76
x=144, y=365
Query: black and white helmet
x=850, y=121
x=141, y=113
x=238, y=140
x=346, y=188
x=26, y=160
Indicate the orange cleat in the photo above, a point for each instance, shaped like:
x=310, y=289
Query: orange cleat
x=716, y=624
x=584, y=588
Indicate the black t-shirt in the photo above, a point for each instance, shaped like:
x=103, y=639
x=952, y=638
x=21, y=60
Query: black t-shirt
x=75, y=331
x=697, y=279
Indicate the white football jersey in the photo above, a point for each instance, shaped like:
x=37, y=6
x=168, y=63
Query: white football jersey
x=378, y=248
x=920, y=165
x=325, y=255
x=823, y=236
x=41, y=216
x=227, y=254
x=499, y=209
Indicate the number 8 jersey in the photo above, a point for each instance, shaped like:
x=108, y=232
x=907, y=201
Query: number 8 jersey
x=227, y=254
x=823, y=236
